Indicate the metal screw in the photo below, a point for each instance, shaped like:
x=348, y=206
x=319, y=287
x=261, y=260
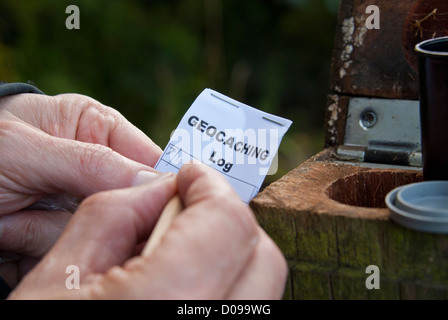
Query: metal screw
x=368, y=119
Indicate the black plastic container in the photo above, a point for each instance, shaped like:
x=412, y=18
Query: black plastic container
x=433, y=80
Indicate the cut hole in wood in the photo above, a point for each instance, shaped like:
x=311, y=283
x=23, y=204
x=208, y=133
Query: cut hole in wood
x=369, y=188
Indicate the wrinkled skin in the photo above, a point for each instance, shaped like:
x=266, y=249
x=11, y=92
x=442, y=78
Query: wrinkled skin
x=75, y=148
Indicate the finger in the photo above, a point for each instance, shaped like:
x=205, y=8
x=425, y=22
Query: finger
x=12, y=272
x=264, y=277
x=82, y=118
x=201, y=255
x=31, y=233
x=126, y=217
x=104, y=125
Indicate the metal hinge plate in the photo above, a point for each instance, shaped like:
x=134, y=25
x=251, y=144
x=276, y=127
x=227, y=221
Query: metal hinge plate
x=385, y=131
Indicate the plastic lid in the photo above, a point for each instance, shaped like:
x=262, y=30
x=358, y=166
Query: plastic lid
x=420, y=206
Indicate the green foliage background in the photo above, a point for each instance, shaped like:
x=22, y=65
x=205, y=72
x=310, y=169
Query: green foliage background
x=150, y=59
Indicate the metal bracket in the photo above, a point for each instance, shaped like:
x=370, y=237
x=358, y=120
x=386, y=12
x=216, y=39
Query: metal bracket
x=383, y=131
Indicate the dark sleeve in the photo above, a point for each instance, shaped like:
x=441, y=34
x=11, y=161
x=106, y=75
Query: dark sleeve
x=7, y=89
x=5, y=290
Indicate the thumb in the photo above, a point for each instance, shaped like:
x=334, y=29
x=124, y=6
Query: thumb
x=58, y=165
x=102, y=233
x=84, y=168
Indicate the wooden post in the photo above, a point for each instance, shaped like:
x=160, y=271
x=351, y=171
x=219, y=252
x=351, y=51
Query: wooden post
x=329, y=217
x=329, y=243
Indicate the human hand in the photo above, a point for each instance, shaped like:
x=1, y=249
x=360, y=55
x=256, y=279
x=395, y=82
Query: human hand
x=213, y=250
x=66, y=144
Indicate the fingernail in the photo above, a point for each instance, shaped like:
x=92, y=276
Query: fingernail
x=143, y=177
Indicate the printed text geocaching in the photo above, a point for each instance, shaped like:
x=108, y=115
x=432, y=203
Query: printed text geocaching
x=220, y=136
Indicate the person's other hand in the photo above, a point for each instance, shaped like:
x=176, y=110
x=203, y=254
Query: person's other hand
x=65, y=144
x=213, y=250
